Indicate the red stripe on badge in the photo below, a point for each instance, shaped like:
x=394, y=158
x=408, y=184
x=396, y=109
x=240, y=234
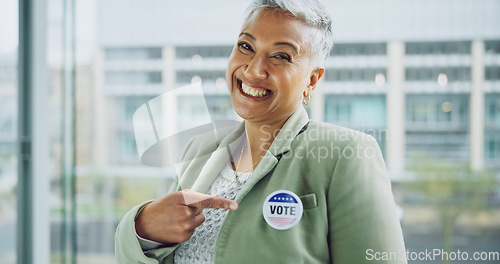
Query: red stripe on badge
x=280, y=221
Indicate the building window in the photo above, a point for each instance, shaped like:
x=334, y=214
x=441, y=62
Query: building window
x=357, y=49
x=356, y=111
x=337, y=112
x=127, y=148
x=492, y=128
x=8, y=70
x=127, y=106
x=436, y=111
x=204, y=51
x=492, y=73
x=365, y=113
x=492, y=47
x=492, y=147
x=119, y=54
x=7, y=119
x=492, y=110
x=453, y=74
x=358, y=74
x=187, y=76
x=434, y=48
x=191, y=111
x=437, y=124
x=133, y=77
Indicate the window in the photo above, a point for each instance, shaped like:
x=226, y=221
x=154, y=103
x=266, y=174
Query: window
x=434, y=48
x=492, y=148
x=124, y=54
x=492, y=127
x=187, y=76
x=126, y=106
x=127, y=148
x=355, y=110
x=437, y=125
x=361, y=112
x=133, y=78
x=8, y=119
x=357, y=49
x=191, y=110
x=492, y=73
x=356, y=74
x=453, y=74
x=437, y=111
x=492, y=110
x=204, y=51
x=492, y=46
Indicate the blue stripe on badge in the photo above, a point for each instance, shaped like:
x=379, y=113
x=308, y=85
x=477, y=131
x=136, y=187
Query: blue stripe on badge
x=282, y=198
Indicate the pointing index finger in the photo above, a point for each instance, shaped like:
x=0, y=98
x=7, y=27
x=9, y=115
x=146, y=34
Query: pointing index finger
x=201, y=200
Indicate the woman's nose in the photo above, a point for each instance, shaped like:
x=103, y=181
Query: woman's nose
x=256, y=68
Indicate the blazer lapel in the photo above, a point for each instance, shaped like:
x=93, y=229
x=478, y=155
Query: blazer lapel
x=217, y=160
x=281, y=144
x=220, y=157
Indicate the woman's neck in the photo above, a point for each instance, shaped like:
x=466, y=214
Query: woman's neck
x=260, y=137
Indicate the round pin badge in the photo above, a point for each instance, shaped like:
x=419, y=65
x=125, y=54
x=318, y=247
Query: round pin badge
x=282, y=209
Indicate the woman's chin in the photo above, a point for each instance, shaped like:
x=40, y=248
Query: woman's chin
x=247, y=114
x=248, y=109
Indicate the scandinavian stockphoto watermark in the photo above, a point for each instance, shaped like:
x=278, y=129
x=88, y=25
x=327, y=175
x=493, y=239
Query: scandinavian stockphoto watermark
x=340, y=134
x=435, y=254
x=341, y=143
x=332, y=151
x=162, y=131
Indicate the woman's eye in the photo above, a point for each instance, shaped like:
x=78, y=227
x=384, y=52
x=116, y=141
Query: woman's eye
x=245, y=46
x=282, y=56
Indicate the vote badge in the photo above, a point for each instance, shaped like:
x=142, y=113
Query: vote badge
x=282, y=209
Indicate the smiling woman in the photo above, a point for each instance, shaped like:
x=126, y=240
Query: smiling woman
x=279, y=188
x=272, y=58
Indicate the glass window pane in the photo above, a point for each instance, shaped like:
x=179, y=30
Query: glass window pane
x=124, y=59
x=8, y=129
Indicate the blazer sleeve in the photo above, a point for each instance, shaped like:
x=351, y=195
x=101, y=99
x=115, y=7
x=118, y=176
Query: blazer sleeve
x=363, y=224
x=127, y=247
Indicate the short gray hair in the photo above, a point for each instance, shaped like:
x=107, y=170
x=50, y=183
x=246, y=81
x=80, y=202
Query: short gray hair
x=312, y=13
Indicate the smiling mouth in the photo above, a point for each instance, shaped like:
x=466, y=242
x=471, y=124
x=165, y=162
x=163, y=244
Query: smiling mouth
x=250, y=91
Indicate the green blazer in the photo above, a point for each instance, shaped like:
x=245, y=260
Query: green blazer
x=339, y=174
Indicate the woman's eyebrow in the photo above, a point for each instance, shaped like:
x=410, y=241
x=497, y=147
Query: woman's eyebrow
x=248, y=35
x=275, y=44
x=287, y=44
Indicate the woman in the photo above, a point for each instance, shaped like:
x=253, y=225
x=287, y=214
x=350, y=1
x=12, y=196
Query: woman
x=280, y=188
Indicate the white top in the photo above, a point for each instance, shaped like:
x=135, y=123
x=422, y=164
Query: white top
x=199, y=249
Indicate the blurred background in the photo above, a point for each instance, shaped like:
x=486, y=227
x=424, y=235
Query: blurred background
x=422, y=77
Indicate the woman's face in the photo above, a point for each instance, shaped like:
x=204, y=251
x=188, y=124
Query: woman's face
x=270, y=67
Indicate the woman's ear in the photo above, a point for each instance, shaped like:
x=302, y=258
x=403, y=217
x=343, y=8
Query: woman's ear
x=316, y=75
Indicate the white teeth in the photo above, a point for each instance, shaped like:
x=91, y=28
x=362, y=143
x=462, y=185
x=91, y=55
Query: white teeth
x=253, y=92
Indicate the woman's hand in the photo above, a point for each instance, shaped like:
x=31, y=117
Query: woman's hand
x=173, y=218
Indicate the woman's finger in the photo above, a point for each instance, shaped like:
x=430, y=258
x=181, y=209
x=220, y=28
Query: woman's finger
x=202, y=201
